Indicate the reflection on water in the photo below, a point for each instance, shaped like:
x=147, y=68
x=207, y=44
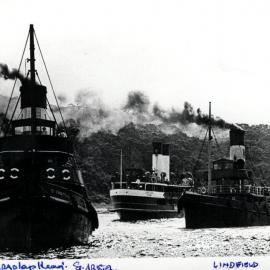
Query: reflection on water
x=160, y=238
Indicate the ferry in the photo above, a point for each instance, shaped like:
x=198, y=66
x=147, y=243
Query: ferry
x=139, y=194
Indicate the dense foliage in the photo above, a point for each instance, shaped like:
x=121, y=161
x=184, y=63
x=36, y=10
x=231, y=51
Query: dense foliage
x=99, y=154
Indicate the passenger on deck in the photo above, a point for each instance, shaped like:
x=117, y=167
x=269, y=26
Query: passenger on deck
x=153, y=177
x=162, y=177
x=187, y=182
x=147, y=176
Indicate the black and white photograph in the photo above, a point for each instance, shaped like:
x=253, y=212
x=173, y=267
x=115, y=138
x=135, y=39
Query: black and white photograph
x=134, y=129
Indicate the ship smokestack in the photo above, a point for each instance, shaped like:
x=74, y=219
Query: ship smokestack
x=33, y=96
x=161, y=160
x=166, y=160
x=237, y=146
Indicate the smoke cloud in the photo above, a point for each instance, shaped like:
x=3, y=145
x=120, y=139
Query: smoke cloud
x=188, y=116
x=8, y=74
x=92, y=114
x=137, y=102
x=62, y=98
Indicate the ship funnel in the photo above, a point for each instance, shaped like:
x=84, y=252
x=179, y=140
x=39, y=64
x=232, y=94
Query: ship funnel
x=161, y=160
x=237, y=146
x=166, y=160
x=33, y=95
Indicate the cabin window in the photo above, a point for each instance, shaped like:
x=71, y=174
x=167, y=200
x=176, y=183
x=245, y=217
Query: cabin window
x=42, y=130
x=217, y=166
x=159, y=188
x=26, y=129
x=26, y=113
x=18, y=130
x=228, y=166
x=223, y=165
x=41, y=113
x=22, y=130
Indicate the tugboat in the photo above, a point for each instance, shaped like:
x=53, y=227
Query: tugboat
x=145, y=195
x=43, y=199
x=231, y=197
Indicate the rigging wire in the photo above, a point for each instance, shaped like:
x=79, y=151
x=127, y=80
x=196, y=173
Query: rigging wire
x=197, y=161
x=47, y=115
x=13, y=112
x=47, y=102
x=19, y=114
x=25, y=66
x=57, y=126
x=250, y=160
x=50, y=84
x=13, y=88
x=219, y=148
x=38, y=78
x=252, y=164
x=201, y=132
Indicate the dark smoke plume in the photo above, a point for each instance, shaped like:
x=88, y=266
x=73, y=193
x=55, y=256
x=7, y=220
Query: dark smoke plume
x=6, y=73
x=137, y=102
x=187, y=116
x=93, y=115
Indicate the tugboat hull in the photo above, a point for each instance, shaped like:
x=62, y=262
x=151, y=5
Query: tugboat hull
x=40, y=223
x=205, y=211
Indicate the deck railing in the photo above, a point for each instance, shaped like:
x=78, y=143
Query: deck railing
x=246, y=189
x=146, y=186
x=218, y=189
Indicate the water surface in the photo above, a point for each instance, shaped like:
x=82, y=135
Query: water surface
x=159, y=238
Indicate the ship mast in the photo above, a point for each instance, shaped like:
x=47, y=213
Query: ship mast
x=121, y=169
x=209, y=150
x=32, y=75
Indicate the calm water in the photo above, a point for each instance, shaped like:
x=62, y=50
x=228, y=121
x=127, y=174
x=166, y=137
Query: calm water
x=160, y=238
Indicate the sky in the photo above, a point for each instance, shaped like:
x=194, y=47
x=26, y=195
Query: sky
x=172, y=50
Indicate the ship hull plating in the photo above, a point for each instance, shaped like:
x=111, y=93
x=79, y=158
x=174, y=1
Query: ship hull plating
x=126, y=214
x=204, y=211
x=139, y=207
x=40, y=223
